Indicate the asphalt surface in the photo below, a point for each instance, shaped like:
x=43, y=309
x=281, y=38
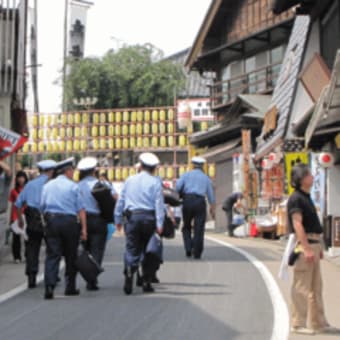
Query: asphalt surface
x=221, y=296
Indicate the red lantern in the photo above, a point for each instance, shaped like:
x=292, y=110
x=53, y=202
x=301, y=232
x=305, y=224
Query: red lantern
x=326, y=159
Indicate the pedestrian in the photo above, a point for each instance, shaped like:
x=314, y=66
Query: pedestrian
x=105, y=180
x=194, y=186
x=21, y=180
x=306, y=290
x=96, y=224
x=142, y=204
x=5, y=183
x=235, y=199
x=30, y=199
x=62, y=205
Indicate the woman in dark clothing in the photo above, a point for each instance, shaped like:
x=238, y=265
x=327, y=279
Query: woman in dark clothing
x=20, y=181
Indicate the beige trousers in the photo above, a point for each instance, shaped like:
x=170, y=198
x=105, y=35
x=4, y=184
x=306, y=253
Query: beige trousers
x=307, y=302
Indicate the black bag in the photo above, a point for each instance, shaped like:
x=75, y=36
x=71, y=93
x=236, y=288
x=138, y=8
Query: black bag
x=102, y=193
x=88, y=267
x=171, y=197
x=168, y=228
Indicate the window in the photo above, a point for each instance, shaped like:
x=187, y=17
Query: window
x=197, y=112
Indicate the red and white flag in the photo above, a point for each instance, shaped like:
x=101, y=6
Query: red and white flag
x=10, y=142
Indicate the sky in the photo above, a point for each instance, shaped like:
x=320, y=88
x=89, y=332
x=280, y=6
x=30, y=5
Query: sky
x=171, y=25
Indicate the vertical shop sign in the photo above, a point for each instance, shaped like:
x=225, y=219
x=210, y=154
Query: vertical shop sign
x=291, y=159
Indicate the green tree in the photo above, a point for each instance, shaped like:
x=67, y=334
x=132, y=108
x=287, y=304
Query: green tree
x=134, y=76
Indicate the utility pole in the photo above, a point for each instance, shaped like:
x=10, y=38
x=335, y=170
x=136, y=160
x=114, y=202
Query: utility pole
x=64, y=108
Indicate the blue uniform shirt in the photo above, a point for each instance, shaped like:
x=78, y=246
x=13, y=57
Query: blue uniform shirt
x=31, y=194
x=62, y=196
x=85, y=186
x=196, y=182
x=141, y=192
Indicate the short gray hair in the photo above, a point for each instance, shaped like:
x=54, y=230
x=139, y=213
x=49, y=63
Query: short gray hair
x=299, y=172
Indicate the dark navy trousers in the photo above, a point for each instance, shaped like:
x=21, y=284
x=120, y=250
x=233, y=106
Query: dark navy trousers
x=62, y=239
x=194, y=218
x=139, y=228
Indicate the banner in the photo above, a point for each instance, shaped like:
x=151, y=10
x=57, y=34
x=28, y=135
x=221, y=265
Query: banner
x=292, y=159
x=10, y=142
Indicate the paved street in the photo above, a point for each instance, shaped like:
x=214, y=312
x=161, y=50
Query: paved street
x=221, y=297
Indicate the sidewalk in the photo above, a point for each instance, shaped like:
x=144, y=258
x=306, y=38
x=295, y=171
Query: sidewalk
x=270, y=253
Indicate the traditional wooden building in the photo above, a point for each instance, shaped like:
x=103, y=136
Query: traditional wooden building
x=243, y=44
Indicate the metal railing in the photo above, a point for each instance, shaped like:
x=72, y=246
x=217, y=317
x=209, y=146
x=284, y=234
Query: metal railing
x=262, y=80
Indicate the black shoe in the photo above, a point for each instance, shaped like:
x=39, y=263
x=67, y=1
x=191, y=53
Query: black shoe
x=49, y=293
x=155, y=279
x=139, y=281
x=147, y=288
x=128, y=284
x=72, y=292
x=188, y=253
x=32, y=282
x=92, y=287
x=197, y=257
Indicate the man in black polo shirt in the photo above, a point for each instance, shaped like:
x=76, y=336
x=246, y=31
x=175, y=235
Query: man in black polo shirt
x=228, y=205
x=307, y=283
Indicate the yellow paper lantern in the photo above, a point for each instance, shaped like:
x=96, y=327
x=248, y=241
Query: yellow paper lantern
x=69, y=146
x=34, y=147
x=77, y=132
x=181, y=170
x=83, y=145
x=77, y=118
x=111, y=130
x=70, y=118
x=62, y=133
x=118, y=130
x=126, y=116
x=41, y=120
x=154, y=115
x=146, y=128
x=102, y=131
x=76, y=176
x=170, y=141
x=102, y=143
x=211, y=170
x=76, y=145
x=26, y=148
x=162, y=128
x=48, y=133
x=132, y=142
x=49, y=120
x=204, y=126
x=132, y=129
x=171, y=114
x=118, y=117
x=84, y=130
x=154, y=142
x=170, y=172
x=139, y=116
x=170, y=128
x=125, y=130
x=133, y=116
x=110, y=175
x=132, y=171
x=139, y=128
x=147, y=115
x=63, y=118
x=162, y=115
x=139, y=142
x=41, y=146
x=111, y=144
x=103, y=118
x=69, y=132
x=111, y=117
x=125, y=143
x=55, y=147
x=118, y=143
x=95, y=144
x=182, y=140
x=34, y=134
x=94, y=131
x=125, y=173
x=35, y=121
x=146, y=142
x=49, y=147
x=95, y=118
x=55, y=133
x=85, y=118
x=62, y=145
x=161, y=172
x=154, y=128
x=118, y=174
x=41, y=133
x=163, y=141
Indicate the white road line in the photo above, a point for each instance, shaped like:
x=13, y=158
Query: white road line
x=21, y=288
x=281, y=314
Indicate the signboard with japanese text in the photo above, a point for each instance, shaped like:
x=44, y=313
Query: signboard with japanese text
x=291, y=159
x=318, y=192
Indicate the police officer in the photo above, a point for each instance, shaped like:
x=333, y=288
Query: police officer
x=96, y=225
x=194, y=186
x=61, y=204
x=30, y=198
x=142, y=203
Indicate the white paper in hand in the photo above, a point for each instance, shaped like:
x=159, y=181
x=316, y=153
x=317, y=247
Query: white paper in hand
x=283, y=272
x=18, y=231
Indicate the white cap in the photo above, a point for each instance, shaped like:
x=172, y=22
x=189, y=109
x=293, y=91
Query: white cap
x=198, y=160
x=47, y=164
x=87, y=163
x=149, y=159
x=66, y=163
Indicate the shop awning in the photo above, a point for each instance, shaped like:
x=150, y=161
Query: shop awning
x=221, y=149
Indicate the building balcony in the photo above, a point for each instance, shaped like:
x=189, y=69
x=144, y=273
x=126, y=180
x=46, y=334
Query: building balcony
x=259, y=81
